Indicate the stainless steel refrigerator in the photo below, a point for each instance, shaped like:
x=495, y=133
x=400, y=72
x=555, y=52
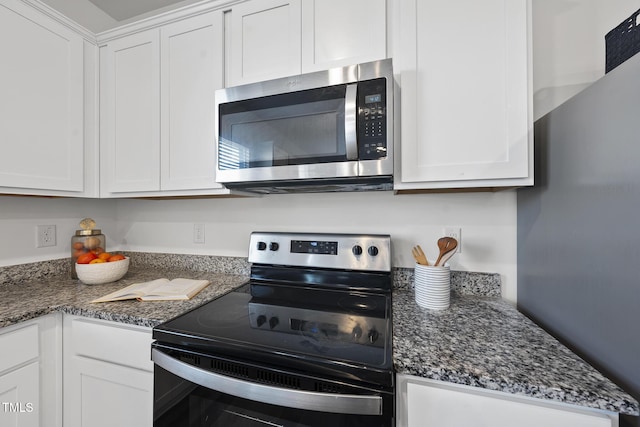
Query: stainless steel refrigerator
x=579, y=227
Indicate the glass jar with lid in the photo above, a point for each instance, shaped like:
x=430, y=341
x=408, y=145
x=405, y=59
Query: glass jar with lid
x=88, y=239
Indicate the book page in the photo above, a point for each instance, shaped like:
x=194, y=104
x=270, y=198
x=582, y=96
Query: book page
x=175, y=289
x=159, y=289
x=135, y=290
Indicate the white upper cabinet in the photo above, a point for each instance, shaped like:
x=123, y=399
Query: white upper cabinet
x=158, y=86
x=336, y=33
x=465, y=113
x=192, y=70
x=42, y=104
x=263, y=40
x=267, y=39
x=130, y=114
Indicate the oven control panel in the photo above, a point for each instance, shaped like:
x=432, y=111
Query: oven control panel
x=366, y=252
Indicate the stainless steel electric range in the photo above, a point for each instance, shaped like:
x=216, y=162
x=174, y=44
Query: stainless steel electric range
x=305, y=342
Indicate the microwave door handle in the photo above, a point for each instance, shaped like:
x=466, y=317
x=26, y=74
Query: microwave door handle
x=350, y=120
x=313, y=401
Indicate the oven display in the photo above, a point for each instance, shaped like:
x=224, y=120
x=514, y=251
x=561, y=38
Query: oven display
x=314, y=247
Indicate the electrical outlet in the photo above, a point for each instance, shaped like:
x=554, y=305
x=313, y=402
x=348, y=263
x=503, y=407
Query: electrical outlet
x=45, y=236
x=456, y=233
x=198, y=233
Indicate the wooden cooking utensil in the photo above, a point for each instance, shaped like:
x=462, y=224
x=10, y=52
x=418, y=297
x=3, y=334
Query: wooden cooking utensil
x=446, y=257
x=419, y=256
x=445, y=244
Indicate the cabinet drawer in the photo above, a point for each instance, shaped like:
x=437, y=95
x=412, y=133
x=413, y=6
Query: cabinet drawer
x=112, y=342
x=19, y=346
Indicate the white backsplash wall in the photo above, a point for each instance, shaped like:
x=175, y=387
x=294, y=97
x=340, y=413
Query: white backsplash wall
x=19, y=217
x=488, y=222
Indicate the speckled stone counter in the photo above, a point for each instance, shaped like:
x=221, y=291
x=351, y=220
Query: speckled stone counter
x=480, y=341
x=50, y=289
x=486, y=342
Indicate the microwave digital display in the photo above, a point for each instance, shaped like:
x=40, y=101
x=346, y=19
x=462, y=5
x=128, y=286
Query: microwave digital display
x=371, y=99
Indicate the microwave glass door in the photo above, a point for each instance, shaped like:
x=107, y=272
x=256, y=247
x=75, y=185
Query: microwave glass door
x=298, y=128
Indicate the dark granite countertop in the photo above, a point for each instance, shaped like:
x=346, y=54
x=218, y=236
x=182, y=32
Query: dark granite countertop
x=480, y=341
x=486, y=342
x=31, y=299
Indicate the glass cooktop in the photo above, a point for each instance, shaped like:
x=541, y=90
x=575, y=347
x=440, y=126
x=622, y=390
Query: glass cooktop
x=292, y=324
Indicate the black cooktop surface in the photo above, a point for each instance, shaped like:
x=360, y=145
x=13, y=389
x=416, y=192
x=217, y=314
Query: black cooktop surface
x=292, y=325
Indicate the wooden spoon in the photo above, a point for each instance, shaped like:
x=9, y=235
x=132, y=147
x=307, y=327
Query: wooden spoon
x=446, y=257
x=445, y=244
x=419, y=256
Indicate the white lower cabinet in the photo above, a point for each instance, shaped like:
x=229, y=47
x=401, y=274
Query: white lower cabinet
x=108, y=374
x=426, y=403
x=30, y=374
x=19, y=398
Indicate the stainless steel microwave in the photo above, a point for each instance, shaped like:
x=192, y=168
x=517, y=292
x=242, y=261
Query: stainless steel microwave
x=324, y=131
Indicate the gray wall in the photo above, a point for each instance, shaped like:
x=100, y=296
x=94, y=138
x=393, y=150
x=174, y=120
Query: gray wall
x=579, y=227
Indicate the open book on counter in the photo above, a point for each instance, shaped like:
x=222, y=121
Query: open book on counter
x=157, y=290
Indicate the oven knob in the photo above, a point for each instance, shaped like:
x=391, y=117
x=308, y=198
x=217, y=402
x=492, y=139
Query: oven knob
x=357, y=250
x=356, y=333
x=373, y=336
x=261, y=319
x=262, y=246
x=273, y=322
x=274, y=246
x=373, y=251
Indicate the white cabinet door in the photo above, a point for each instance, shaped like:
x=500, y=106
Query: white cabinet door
x=19, y=397
x=264, y=41
x=465, y=113
x=336, y=33
x=426, y=403
x=108, y=374
x=105, y=395
x=30, y=371
x=41, y=81
x=130, y=114
x=191, y=71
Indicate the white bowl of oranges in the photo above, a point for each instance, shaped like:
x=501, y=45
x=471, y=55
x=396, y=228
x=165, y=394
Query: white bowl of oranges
x=95, y=269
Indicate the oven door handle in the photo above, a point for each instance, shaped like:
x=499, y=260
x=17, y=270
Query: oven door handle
x=297, y=399
x=350, y=120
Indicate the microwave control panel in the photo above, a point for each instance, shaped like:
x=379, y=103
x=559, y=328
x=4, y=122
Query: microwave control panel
x=372, y=119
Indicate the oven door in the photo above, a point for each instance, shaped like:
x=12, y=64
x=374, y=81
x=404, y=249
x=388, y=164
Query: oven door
x=187, y=394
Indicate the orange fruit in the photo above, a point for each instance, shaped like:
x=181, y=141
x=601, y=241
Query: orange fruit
x=86, y=258
x=116, y=257
x=77, y=253
x=105, y=256
x=96, y=261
